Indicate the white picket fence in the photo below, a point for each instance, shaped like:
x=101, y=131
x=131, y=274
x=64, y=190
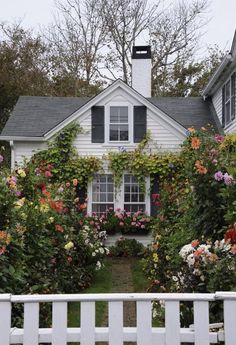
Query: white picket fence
x=199, y=333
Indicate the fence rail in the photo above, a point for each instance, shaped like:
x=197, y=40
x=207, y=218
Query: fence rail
x=200, y=333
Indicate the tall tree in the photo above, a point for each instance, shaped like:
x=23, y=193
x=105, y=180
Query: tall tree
x=174, y=39
x=125, y=20
x=76, y=39
x=23, y=67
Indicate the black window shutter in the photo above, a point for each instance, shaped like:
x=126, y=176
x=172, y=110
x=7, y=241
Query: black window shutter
x=153, y=192
x=233, y=99
x=223, y=106
x=97, y=124
x=140, y=123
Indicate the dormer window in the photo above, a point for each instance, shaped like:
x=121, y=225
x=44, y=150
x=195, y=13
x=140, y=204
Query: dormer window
x=228, y=101
x=119, y=124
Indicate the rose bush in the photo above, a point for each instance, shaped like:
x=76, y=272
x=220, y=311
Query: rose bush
x=43, y=246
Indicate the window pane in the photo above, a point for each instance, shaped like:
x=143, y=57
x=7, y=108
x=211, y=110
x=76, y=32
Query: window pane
x=127, y=188
x=127, y=178
x=141, y=198
x=134, y=188
x=110, y=188
x=101, y=208
x=127, y=197
x=134, y=207
x=227, y=91
x=114, y=132
x=114, y=114
x=124, y=132
x=227, y=112
x=101, y=198
x=134, y=197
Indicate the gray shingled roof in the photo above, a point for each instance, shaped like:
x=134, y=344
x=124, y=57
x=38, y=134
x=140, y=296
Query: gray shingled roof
x=188, y=111
x=34, y=116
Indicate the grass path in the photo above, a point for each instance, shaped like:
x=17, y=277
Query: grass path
x=119, y=275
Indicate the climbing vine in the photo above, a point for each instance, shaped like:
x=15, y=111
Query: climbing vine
x=68, y=164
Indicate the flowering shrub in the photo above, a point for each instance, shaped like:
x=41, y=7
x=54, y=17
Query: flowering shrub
x=120, y=221
x=43, y=247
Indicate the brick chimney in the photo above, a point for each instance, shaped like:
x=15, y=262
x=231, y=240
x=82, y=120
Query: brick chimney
x=141, y=70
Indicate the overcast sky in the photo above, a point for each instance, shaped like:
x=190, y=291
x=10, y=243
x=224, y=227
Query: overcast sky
x=220, y=29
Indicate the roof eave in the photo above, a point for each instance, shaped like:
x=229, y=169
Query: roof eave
x=17, y=138
x=226, y=61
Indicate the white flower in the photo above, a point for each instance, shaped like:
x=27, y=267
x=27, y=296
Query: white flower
x=102, y=251
x=174, y=278
x=186, y=250
x=98, y=265
x=191, y=260
x=94, y=254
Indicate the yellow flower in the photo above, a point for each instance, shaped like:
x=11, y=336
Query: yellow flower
x=69, y=245
x=44, y=208
x=21, y=172
x=19, y=203
x=23, y=216
x=155, y=257
x=50, y=220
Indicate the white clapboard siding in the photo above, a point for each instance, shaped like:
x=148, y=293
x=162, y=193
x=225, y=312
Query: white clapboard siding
x=217, y=103
x=31, y=323
x=27, y=149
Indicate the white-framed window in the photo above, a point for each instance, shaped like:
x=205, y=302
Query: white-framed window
x=228, y=99
x=102, y=193
x=134, y=196
x=119, y=123
x=131, y=197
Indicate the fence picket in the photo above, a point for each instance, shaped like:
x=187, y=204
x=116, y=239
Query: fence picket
x=201, y=322
x=115, y=323
x=5, y=321
x=144, y=322
x=31, y=323
x=229, y=321
x=87, y=323
x=59, y=323
x=172, y=322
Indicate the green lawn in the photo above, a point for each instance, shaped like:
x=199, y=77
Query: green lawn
x=102, y=284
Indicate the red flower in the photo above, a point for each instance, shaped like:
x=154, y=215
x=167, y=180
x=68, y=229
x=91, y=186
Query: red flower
x=57, y=206
x=230, y=235
x=59, y=228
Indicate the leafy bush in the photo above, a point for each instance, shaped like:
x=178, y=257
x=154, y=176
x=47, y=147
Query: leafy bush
x=127, y=248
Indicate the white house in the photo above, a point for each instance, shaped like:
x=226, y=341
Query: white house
x=119, y=117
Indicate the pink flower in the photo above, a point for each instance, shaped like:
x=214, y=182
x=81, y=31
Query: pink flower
x=133, y=223
x=60, y=189
x=214, y=161
x=219, y=138
x=121, y=224
x=228, y=179
x=219, y=176
x=142, y=226
x=48, y=173
x=1, y=158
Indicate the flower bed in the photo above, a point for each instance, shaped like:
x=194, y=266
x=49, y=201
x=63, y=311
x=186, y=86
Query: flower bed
x=120, y=221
